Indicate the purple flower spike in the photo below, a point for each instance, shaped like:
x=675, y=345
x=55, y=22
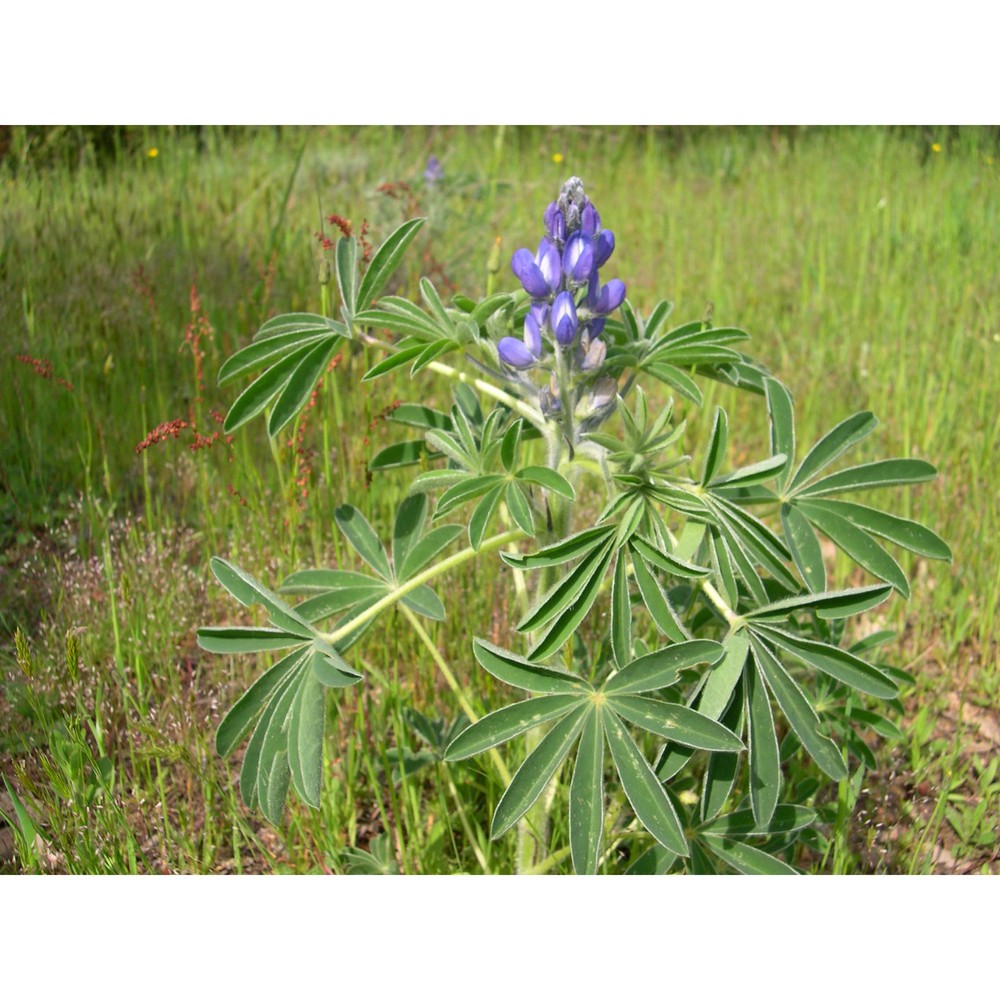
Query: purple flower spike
x=578, y=257
x=603, y=247
x=563, y=318
x=610, y=298
x=515, y=353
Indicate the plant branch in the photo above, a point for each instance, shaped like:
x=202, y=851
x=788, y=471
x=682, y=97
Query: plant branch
x=496, y=542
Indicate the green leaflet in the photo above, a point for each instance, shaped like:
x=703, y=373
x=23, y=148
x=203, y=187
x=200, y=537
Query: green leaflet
x=385, y=261
x=534, y=774
x=506, y=723
x=781, y=414
x=746, y=859
x=297, y=390
x=804, y=546
x=260, y=354
x=909, y=534
x=521, y=673
x=799, y=712
x=426, y=549
x=765, y=764
x=833, y=661
x=662, y=668
x=235, y=639
x=569, y=619
x=362, y=538
x=890, y=472
x=829, y=604
x=621, y=614
x=260, y=392
x=786, y=819
x=306, y=722
x=846, y=434
x=248, y=592
x=864, y=550
x=239, y=718
x=724, y=676
x=586, y=797
x=715, y=456
x=642, y=787
x=675, y=722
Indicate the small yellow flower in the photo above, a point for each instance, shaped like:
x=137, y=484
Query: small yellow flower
x=936, y=147
x=557, y=157
x=152, y=152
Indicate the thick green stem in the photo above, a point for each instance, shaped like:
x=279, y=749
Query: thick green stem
x=496, y=542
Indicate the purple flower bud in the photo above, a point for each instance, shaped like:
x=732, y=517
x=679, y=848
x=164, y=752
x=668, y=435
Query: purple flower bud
x=596, y=326
x=539, y=274
x=555, y=224
x=515, y=353
x=578, y=257
x=548, y=261
x=540, y=312
x=610, y=298
x=563, y=319
x=529, y=273
x=604, y=245
x=590, y=221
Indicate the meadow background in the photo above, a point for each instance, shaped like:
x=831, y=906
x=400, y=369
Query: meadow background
x=863, y=262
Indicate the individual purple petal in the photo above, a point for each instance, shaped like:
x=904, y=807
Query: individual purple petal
x=596, y=326
x=590, y=221
x=611, y=297
x=563, y=318
x=528, y=272
x=513, y=352
x=555, y=224
x=578, y=257
x=533, y=335
x=604, y=245
x=547, y=259
x=540, y=311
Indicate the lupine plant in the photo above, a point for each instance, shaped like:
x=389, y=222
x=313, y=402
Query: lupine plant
x=677, y=642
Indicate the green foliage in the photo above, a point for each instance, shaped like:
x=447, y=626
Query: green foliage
x=750, y=535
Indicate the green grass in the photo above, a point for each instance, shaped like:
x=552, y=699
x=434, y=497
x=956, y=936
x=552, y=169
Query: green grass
x=862, y=262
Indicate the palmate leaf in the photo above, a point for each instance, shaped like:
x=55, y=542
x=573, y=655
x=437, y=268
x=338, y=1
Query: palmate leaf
x=578, y=711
